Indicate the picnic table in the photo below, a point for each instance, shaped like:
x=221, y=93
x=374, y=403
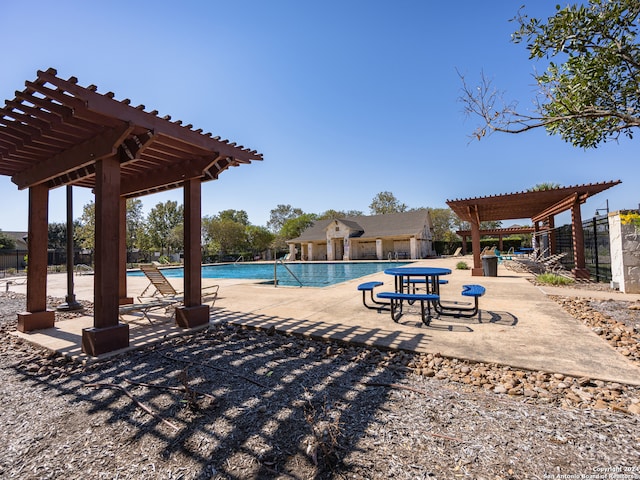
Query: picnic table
x=406, y=281
x=405, y=278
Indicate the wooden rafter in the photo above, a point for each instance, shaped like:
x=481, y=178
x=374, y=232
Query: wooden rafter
x=81, y=155
x=561, y=206
x=55, y=130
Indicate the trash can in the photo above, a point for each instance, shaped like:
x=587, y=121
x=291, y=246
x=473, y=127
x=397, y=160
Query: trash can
x=490, y=265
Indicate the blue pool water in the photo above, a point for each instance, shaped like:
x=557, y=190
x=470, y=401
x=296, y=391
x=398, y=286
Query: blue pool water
x=316, y=274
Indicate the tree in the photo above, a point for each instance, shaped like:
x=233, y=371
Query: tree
x=444, y=224
x=281, y=214
x=6, y=242
x=85, y=233
x=334, y=214
x=238, y=216
x=544, y=186
x=258, y=239
x=135, y=222
x=162, y=219
x=223, y=236
x=591, y=96
x=85, y=227
x=294, y=227
x=384, y=203
x=57, y=233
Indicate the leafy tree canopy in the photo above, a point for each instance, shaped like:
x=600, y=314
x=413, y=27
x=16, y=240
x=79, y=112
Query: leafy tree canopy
x=258, y=238
x=444, y=224
x=223, y=236
x=334, y=214
x=57, y=233
x=281, y=214
x=591, y=94
x=6, y=242
x=293, y=227
x=162, y=220
x=544, y=186
x=386, y=202
x=85, y=232
x=238, y=216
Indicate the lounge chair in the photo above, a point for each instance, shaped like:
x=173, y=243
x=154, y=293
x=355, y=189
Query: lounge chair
x=164, y=289
x=458, y=252
x=13, y=281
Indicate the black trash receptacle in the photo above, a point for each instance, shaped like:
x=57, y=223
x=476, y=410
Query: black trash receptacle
x=490, y=265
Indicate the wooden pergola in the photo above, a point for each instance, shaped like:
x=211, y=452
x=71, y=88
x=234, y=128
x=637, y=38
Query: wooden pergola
x=540, y=206
x=57, y=133
x=494, y=232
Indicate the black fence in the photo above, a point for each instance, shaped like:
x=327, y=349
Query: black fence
x=12, y=262
x=597, y=251
x=15, y=261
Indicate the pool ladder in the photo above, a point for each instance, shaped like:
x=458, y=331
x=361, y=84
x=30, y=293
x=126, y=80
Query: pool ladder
x=275, y=272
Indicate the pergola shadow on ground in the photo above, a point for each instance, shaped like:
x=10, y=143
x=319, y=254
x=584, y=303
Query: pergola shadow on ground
x=540, y=206
x=220, y=399
x=57, y=133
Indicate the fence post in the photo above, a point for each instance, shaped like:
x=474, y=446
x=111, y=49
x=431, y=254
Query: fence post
x=595, y=247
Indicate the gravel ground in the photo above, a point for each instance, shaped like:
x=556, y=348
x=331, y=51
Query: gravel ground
x=234, y=403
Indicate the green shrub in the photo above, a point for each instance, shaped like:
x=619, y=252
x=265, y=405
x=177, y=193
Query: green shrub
x=164, y=260
x=462, y=266
x=553, y=279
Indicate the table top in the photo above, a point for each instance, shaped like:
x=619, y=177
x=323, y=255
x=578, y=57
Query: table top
x=417, y=271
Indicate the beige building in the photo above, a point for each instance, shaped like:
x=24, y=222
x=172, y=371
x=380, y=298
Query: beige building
x=377, y=237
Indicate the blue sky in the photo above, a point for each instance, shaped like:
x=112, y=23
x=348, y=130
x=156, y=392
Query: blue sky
x=345, y=99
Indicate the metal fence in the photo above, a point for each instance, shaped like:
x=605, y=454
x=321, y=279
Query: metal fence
x=15, y=261
x=12, y=261
x=597, y=250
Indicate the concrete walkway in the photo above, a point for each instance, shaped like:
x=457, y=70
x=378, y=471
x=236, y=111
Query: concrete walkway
x=518, y=324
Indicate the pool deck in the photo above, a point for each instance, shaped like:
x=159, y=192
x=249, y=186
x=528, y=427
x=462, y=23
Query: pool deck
x=519, y=325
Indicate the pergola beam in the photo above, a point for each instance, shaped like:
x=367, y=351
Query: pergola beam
x=96, y=102
x=562, y=206
x=171, y=175
x=76, y=157
x=537, y=204
x=57, y=133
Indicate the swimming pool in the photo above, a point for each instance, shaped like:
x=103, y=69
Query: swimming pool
x=313, y=274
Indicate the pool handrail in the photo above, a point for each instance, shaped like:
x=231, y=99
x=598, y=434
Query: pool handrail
x=275, y=274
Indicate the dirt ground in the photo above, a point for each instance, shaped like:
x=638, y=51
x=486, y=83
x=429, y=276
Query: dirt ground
x=232, y=403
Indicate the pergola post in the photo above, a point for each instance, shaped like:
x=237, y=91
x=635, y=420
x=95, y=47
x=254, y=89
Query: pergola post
x=476, y=271
x=551, y=224
x=122, y=263
x=108, y=333
x=464, y=244
x=37, y=316
x=580, y=270
x=193, y=313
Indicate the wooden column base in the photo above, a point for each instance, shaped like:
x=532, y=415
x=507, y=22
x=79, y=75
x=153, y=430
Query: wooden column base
x=96, y=341
x=28, y=321
x=125, y=301
x=581, y=273
x=477, y=272
x=189, y=317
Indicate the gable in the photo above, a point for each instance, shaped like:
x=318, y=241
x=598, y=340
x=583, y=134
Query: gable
x=372, y=226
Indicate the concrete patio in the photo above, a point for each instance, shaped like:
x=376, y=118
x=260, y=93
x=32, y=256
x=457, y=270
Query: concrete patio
x=519, y=325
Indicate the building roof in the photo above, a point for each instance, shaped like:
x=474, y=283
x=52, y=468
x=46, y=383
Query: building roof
x=55, y=131
x=18, y=238
x=373, y=226
x=531, y=204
